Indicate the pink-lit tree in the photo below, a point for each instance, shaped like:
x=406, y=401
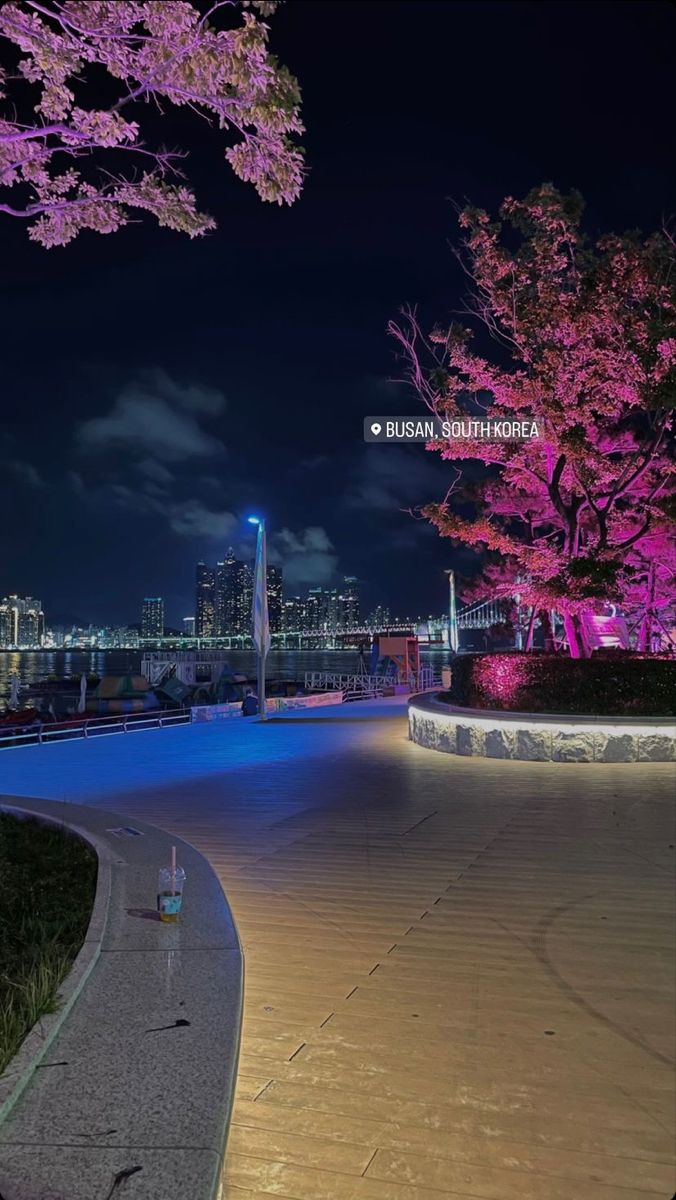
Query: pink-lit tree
x=586, y=348
x=70, y=161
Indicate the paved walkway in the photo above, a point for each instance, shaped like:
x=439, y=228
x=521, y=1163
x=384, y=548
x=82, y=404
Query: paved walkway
x=459, y=971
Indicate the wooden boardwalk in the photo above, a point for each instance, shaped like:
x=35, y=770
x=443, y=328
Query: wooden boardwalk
x=459, y=971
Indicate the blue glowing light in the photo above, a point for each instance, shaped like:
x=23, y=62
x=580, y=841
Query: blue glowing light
x=254, y=520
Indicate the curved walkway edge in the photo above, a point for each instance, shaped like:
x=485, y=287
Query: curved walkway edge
x=132, y=1079
x=539, y=737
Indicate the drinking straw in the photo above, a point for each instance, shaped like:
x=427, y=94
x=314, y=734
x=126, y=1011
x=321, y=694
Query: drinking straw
x=173, y=868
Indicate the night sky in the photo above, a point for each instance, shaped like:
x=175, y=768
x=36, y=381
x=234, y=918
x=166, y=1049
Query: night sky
x=155, y=389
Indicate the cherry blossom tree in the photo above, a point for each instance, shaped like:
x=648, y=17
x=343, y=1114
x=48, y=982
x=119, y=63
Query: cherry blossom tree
x=70, y=160
x=584, y=345
x=651, y=588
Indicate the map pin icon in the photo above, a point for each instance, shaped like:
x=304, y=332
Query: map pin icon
x=376, y=428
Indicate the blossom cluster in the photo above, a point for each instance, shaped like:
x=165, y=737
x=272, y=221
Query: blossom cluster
x=68, y=166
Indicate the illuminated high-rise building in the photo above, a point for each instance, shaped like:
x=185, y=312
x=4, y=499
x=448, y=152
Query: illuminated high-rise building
x=314, y=609
x=245, y=577
x=228, y=582
x=8, y=623
x=31, y=623
x=324, y=610
x=294, y=614
x=379, y=618
x=205, y=600
x=22, y=623
x=349, y=602
x=152, y=617
x=225, y=597
x=274, y=579
x=331, y=609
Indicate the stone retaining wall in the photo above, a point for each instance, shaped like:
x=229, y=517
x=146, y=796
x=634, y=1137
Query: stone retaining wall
x=539, y=737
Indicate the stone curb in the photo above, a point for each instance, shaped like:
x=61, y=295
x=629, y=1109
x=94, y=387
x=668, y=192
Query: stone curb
x=123, y=1098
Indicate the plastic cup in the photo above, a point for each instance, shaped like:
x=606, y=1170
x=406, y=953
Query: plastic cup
x=170, y=893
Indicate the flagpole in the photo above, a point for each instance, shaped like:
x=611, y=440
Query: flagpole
x=262, y=713
x=260, y=624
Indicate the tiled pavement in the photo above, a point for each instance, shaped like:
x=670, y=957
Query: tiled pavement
x=459, y=971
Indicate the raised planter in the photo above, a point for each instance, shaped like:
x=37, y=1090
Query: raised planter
x=133, y=1077
x=539, y=737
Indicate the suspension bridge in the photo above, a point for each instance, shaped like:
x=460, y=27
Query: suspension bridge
x=430, y=631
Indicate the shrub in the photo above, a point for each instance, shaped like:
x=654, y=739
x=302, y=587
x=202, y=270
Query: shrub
x=48, y=887
x=613, y=683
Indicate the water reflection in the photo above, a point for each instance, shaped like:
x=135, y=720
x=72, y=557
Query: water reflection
x=34, y=666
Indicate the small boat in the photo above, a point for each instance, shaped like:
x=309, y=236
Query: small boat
x=20, y=716
x=122, y=694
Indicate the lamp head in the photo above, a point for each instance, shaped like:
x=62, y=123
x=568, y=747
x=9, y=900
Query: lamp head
x=254, y=520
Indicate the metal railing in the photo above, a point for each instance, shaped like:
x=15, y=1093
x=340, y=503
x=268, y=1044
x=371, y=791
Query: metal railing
x=363, y=687
x=353, y=687
x=59, y=731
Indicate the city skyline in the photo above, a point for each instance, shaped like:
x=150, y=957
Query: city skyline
x=320, y=610
x=231, y=617
x=280, y=593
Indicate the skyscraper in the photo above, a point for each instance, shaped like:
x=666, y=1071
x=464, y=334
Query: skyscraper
x=227, y=594
x=294, y=614
x=152, y=617
x=22, y=622
x=379, y=618
x=314, y=608
x=244, y=578
x=323, y=610
x=275, y=598
x=205, y=600
x=349, y=602
x=8, y=623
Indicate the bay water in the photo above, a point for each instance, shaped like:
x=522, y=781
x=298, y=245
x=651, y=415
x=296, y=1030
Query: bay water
x=36, y=665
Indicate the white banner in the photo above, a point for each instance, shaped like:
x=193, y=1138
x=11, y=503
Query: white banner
x=260, y=631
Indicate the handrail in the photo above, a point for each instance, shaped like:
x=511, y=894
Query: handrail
x=41, y=733
x=362, y=687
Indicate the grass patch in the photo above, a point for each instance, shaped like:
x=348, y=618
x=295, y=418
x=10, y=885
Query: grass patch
x=47, y=888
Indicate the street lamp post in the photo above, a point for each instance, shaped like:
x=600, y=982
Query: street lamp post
x=260, y=624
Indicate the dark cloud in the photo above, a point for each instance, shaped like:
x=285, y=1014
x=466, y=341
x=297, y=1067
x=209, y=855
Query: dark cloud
x=25, y=473
x=192, y=519
x=155, y=470
x=393, y=478
x=158, y=419
x=75, y=481
x=307, y=557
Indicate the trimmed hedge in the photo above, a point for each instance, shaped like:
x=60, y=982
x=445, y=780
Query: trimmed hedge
x=614, y=683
